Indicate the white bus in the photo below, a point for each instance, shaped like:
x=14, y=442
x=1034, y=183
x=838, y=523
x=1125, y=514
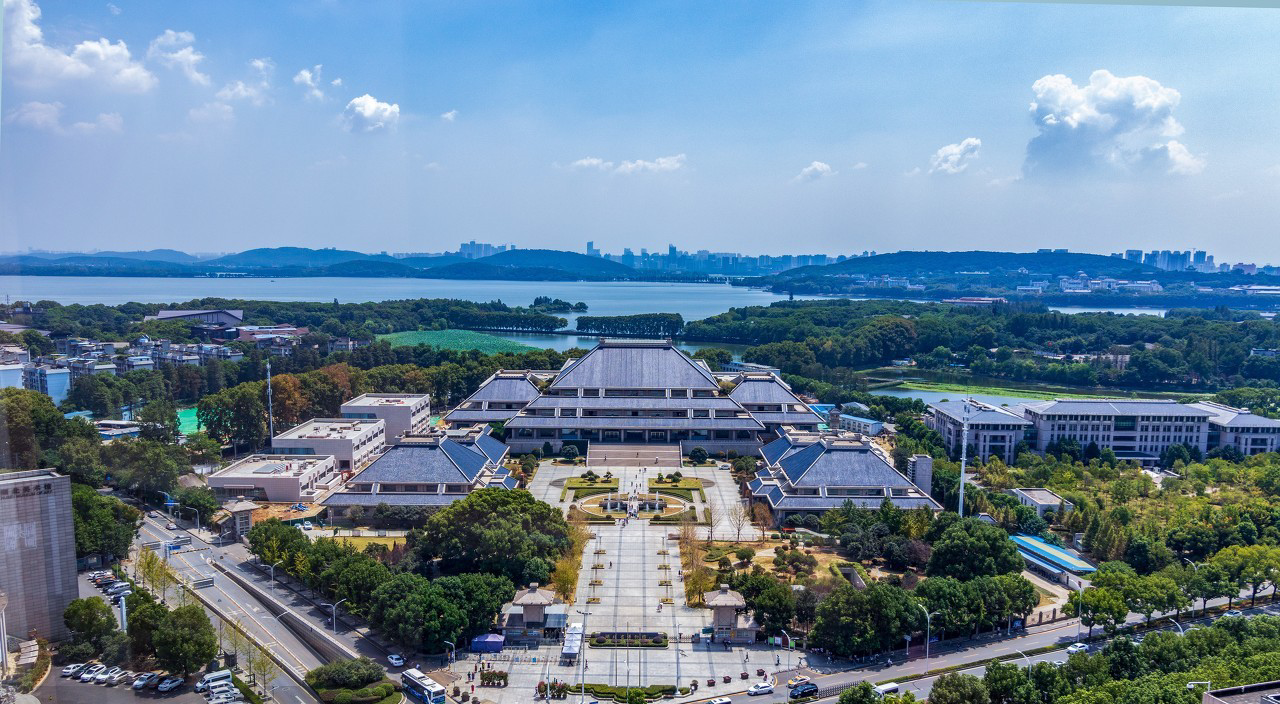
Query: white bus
x=422, y=688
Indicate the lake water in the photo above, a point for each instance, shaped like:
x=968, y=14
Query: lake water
x=936, y=396
x=693, y=301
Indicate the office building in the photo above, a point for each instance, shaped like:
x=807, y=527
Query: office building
x=279, y=478
x=431, y=470
x=1137, y=430
x=1237, y=427
x=351, y=441
x=1042, y=500
x=402, y=413
x=812, y=472
x=994, y=431
x=856, y=424
x=636, y=392
x=37, y=552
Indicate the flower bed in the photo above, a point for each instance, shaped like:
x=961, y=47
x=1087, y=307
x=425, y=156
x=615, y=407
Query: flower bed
x=628, y=640
x=619, y=694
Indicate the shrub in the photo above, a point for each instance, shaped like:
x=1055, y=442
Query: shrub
x=345, y=674
x=698, y=455
x=344, y=697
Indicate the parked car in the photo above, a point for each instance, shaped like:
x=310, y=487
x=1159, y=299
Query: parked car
x=169, y=684
x=91, y=672
x=104, y=676
x=73, y=670
x=230, y=697
x=143, y=680
x=1077, y=648
x=307, y=525
x=808, y=689
x=121, y=677
x=153, y=514
x=1059, y=663
x=227, y=691
x=1234, y=612
x=396, y=660
x=797, y=681
x=171, y=526
x=721, y=700
x=760, y=688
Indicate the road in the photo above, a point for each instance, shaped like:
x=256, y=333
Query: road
x=1009, y=648
x=232, y=603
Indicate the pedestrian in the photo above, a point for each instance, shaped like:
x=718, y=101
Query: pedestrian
x=746, y=656
x=473, y=689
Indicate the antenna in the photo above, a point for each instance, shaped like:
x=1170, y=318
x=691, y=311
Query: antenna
x=270, y=416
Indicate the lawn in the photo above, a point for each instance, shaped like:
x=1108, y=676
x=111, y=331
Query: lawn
x=1039, y=395
x=455, y=340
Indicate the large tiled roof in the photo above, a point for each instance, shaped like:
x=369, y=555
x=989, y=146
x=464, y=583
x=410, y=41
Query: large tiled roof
x=1117, y=407
x=713, y=403
x=634, y=422
x=787, y=417
x=759, y=389
x=637, y=364
x=506, y=387
x=822, y=503
x=448, y=462
x=479, y=415
x=492, y=447
x=1229, y=417
x=343, y=498
x=978, y=412
x=775, y=450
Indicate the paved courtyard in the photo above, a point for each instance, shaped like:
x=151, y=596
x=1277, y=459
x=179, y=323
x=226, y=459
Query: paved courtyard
x=628, y=597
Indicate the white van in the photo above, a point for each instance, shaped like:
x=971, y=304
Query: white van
x=213, y=678
x=887, y=688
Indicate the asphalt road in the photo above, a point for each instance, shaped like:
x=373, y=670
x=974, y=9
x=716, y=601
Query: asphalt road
x=231, y=602
x=60, y=690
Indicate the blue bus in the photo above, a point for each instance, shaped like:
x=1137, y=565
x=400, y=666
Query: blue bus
x=422, y=688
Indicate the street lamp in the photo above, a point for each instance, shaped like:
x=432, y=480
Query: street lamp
x=334, y=608
x=928, y=629
x=452, y=648
x=189, y=508
x=1193, y=685
x=1024, y=657
x=1080, y=609
x=788, y=635
x=273, y=575
x=1181, y=630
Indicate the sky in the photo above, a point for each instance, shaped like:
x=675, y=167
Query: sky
x=797, y=127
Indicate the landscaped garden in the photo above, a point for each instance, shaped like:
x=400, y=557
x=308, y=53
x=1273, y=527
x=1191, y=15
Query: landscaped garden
x=628, y=639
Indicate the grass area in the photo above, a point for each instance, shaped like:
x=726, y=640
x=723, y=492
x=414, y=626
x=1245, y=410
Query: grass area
x=684, y=489
x=364, y=541
x=581, y=488
x=455, y=340
x=1047, y=598
x=188, y=423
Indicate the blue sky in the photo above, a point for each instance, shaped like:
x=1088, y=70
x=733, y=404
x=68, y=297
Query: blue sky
x=755, y=127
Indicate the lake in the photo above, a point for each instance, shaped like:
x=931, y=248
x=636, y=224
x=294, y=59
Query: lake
x=586, y=342
x=693, y=301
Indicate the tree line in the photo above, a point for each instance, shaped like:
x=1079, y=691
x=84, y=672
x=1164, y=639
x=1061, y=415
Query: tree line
x=640, y=325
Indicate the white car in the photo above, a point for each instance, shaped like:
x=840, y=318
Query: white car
x=144, y=679
x=760, y=688
x=106, y=675
x=1077, y=648
x=170, y=683
x=307, y=525
x=396, y=660
x=120, y=677
x=1234, y=612
x=721, y=700
x=171, y=526
x=72, y=669
x=91, y=672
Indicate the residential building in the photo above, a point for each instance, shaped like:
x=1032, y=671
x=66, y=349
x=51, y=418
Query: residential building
x=975, y=301
x=204, y=317
x=430, y=470
x=733, y=366
x=280, y=478
x=994, y=431
x=1135, y=429
x=12, y=359
x=1042, y=500
x=856, y=424
x=638, y=392
x=346, y=344
x=1239, y=428
x=37, y=552
x=402, y=413
x=110, y=430
x=352, y=441
x=131, y=363
x=812, y=472
x=53, y=381
x=1264, y=352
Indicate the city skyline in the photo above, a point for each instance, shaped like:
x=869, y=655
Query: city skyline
x=924, y=124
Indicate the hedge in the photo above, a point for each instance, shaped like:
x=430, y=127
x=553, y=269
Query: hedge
x=249, y=695
x=619, y=694
x=33, y=676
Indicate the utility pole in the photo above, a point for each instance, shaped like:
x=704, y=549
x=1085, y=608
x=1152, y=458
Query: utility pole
x=964, y=450
x=270, y=416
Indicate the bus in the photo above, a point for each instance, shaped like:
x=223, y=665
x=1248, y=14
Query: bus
x=422, y=688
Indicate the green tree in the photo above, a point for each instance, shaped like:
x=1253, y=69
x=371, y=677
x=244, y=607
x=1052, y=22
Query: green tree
x=1008, y=683
x=81, y=459
x=104, y=525
x=480, y=596
x=698, y=455
x=160, y=421
x=146, y=616
x=89, y=620
x=1099, y=606
x=860, y=693
x=957, y=688
x=200, y=498
x=498, y=531
x=569, y=452
x=774, y=608
x=185, y=640
x=971, y=549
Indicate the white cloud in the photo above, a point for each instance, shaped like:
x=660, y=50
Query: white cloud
x=175, y=50
x=592, y=162
x=114, y=8
x=859, y=166
x=1114, y=123
x=815, y=170
x=309, y=78
x=47, y=117
x=30, y=61
x=255, y=90
x=661, y=164
x=449, y=116
x=336, y=83
x=368, y=114
x=214, y=113
x=955, y=158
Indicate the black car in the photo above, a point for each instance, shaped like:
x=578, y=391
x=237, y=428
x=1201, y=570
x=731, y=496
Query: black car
x=808, y=689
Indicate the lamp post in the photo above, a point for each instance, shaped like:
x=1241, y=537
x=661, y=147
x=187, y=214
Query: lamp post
x=189, y=508
x=1024, y=657
x=1080, y=609
x=334, y=607
x=1181, y=630
x=788, y=636
x=273, y=575
x=964, y=454
x=928, y=629
x=582, y=655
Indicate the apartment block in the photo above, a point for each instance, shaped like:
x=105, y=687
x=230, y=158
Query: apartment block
x=278, y=477
x=351, y=441
x=402, y=413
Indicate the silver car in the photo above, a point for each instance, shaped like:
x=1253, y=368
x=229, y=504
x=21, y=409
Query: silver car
x=91, y=672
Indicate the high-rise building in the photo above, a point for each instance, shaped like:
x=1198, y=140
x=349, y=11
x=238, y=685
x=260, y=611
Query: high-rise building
x=37, y=552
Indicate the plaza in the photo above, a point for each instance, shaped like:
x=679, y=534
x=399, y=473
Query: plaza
x=625, y=594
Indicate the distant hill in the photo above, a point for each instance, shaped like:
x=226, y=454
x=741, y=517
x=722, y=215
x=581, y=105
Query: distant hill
x=371, y=268
x=431, y=262
x=172, y=256
x=946, y=263
x=293, y=256
x=593, y=267
x=81, y=264
x=478, y=270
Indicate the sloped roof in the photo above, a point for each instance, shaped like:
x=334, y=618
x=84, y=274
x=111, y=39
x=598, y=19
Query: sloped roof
x=505, y=387
x=492, y=448
x=1118, y=407
x=448, y=462
x=635, y=364
x=1230, y=417
x=760, y=389
x=724, y=596
x=979, y=412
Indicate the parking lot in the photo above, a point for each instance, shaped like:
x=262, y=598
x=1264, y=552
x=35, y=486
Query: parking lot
x=62, y=690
